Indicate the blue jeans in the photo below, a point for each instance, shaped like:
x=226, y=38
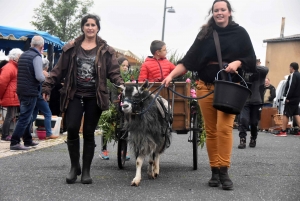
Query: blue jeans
x=267, y=105
x=23, y=127
x=43, y=106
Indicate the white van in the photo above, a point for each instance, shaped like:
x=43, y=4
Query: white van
x=279, y=100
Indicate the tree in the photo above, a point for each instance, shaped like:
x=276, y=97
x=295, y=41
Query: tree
x=61, y=17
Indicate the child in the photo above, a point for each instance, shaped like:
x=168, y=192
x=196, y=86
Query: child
x=124, y=67
x=156, y=68
x=124, y=64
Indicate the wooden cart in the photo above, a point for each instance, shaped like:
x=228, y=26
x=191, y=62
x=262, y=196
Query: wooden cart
x=184, y=122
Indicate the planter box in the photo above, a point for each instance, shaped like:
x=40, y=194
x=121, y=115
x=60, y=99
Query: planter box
x=40, y=122
x=55, y=124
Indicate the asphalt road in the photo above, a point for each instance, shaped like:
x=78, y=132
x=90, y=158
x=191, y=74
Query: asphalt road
x=271, y=171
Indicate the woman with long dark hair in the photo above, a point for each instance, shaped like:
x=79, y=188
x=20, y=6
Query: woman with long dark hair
x=237, y=54
x=84, y=65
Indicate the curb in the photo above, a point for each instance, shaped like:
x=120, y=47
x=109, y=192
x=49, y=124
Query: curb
x=5, y=151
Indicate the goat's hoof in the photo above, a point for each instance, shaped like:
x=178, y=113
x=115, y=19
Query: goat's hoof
x=151, y=175
x=156, y=175
x=135, y=182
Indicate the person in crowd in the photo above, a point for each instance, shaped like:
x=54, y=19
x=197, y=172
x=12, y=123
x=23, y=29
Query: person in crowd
x=124, y=67
x=43, y=106
x=269, y=93
x=250, y=114
x=84, y=91
x=45, y=67
x=29, y=79
x=3, y=59
x=156, y=68
x=8, y=88
x=124, y=64
x=54, y=102
x=237, y=53
x=292, y=94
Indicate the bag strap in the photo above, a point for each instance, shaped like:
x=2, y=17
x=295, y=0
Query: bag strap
x=218, y=48
x=161, y=71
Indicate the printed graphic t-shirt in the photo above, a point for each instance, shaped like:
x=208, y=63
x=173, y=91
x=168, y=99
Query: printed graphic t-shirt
x=86, y=73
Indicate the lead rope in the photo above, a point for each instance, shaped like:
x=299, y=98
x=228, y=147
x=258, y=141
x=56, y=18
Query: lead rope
x=187, y=97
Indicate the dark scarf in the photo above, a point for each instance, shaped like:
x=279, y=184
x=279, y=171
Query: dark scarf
x=235, y=45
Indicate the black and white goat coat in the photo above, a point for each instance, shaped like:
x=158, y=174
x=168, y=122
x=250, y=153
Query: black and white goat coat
x=148, y=123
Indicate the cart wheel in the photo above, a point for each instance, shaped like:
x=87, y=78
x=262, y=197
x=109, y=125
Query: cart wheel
x=195, y=140
x=122, y=150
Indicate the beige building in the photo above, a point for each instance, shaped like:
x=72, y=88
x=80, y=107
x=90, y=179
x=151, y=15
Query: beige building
x=280, y=53
x=132, y=58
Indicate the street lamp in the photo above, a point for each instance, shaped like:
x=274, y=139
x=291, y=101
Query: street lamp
x=170, y=10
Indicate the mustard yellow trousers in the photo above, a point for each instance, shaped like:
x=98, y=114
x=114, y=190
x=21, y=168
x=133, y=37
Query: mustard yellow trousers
x=218, y=127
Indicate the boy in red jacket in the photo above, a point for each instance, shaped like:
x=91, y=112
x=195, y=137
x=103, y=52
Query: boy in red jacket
x=156, y=67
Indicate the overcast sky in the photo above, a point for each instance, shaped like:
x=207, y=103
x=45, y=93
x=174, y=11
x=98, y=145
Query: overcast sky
x=134, y=24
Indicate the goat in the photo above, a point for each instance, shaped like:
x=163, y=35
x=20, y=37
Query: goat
x=149, y=128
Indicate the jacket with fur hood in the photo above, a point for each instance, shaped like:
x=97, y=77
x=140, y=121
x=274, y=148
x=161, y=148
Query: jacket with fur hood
x=8, y=85
x=106, y=66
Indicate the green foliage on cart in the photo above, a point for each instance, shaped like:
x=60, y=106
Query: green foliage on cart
x=107, y=123
x=108, y=119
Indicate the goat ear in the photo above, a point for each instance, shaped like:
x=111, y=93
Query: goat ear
x=120, y=88
x=144, y=86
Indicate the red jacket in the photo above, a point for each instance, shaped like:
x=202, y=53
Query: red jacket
x=8, y=85
x=155, y=70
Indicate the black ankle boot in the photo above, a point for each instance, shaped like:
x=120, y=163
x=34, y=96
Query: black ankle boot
x=73, y=147
x=224, y=179
x=242, y=144
x=252, y=142
x=87, y=157
x=215, y=180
